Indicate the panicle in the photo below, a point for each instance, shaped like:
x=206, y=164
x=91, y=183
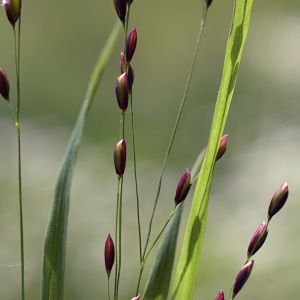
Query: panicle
x=13, y=9
x=242, y=277
x=222, y=147
x=4, y=85
x=183, y=187
x=121, y=8
x=220, y=295
x=258, y=238
x=120, y=157
x=131, y=44
x=109, y=254
x=122, y=91
x=278, y=200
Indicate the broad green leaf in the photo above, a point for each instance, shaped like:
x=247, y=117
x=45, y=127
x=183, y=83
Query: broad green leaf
x=56, y=234
x=158, y=284
x=184, y=281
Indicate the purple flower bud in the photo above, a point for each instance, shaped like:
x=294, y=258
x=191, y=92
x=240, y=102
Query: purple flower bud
x=258, y=239
x=4, y=85
x=208, y=3
x=222, y=147
x=122, y=91
x=278, y=200
x=131, y=44
x=183, y=187
x=13, y=9
x=109, y=254
x=120, y=157
x=242, y=277
x=136, y=298
x=220, y=295
x=121, y=7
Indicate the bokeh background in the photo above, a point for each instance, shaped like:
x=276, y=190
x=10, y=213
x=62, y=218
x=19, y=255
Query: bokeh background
x=60, y=44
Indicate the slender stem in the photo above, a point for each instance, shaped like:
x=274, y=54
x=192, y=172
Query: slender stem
x=18, y=126
x=120, y=236
x=108, y=292
x=202, y=23
x=116, y=239
x=135, y=177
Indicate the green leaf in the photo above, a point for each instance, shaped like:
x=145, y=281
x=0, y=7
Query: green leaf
x=157, y=287
x=184, y=281
x=158, y=284
x=56, y=234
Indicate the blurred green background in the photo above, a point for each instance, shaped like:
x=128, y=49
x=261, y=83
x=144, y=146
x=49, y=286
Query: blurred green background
x=60, y=43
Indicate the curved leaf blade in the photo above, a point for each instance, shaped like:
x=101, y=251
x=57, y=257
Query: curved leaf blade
x=53, y=272
x=184, y=282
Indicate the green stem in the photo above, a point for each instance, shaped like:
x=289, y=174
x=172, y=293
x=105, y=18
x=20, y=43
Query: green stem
x=108, y=292
x=116, y=240
x=135, y=177
x=18, y=126
x=202, y=23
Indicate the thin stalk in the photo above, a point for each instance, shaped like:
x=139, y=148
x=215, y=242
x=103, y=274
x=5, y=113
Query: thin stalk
x=116, y=239
x=18, y=126
x=135, y=177
x=108, y=292
x=120, y=237
x=202, y=23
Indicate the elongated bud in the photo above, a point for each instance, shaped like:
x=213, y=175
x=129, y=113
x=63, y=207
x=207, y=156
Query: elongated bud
x=120, y=157
x=136, y=298
x=208, y=3
x=220, y=295
x=121, y=7
x=13, y=9
x=258, y=239
x=109, y=254
x=242, y=277
x=131, y=44
x=278, y=200
x=122, y=91
x=4, y=85
x=222, y=147
x=183, y=187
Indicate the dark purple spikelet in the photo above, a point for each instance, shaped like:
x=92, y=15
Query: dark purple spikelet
x=131, y=44
x=121, y=8
x=222, y=147
x=109, y=254
x=13, y=9
x=122, y=91
x=242, y=277
x=258, y=239
x=208, y=3
x=278, y=200
x=120, y=157
x=183, y=187
x=4, y=85
x=220, y=295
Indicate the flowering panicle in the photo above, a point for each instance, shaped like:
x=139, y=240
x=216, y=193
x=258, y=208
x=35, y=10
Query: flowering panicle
x=109, y=254
x=242, y=277
x=13, y=9
x=4, y=85
x=183, y=187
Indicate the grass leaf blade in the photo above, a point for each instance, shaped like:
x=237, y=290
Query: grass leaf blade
x=184, y=282
x=56, y=233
